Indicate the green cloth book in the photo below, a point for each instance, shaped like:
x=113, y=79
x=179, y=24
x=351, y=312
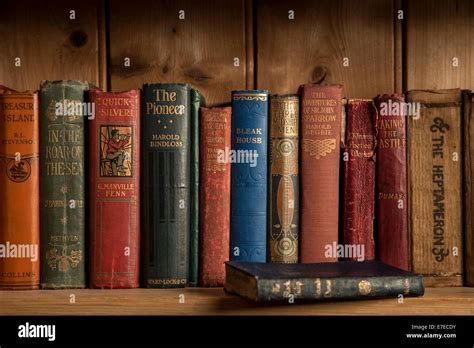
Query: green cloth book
x=62, y=186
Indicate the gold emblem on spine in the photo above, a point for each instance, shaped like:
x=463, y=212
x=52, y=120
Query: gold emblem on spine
x=298, y=288
x=327, y=293
x=317, y=286
x=287, y=290
x=319, y=148
x=365, y=287
x=406, y=286
x=63, y=189
x=276, y=288
x=215, y=167
x=64, y=261
x=64, y=220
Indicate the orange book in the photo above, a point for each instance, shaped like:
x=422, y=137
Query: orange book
x=19, y=190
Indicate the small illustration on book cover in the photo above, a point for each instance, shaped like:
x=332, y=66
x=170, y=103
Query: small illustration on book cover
x=18, y=171
x=116, y=151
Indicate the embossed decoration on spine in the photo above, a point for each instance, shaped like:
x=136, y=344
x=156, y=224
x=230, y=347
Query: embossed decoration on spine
x=283, y=224
x=249, y=176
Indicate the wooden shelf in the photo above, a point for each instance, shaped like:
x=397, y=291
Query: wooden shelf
x=214, y=301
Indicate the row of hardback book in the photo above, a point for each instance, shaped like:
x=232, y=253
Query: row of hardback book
x=150, y=187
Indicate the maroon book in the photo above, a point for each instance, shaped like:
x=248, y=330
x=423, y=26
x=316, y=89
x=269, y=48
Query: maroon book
x=392, y=212
x=214, y=198
x=359, y=179
x=115, y=190
x=320, y=134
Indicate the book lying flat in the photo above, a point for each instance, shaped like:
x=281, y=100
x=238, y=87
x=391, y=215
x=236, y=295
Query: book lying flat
x=351, y=280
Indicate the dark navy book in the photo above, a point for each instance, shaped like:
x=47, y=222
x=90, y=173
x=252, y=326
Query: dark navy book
x=248, y=220
x=328, y=281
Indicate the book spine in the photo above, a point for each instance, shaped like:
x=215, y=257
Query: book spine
x=392, y=205
x=249, y=175
x=359, y=179
x=283, y=188
x=166, y=127
x=350, y=288
x=320, y=150
x=434, y=142
x=194, y=234
x=114, y=210
x=62, y=194
x=468, y=189
x=19, y=190
x=215, y=195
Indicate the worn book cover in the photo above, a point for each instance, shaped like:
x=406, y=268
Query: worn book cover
x=345, y=280
x=359, y=180
x=320, y=137
x=63, y=111
x=391, y=193
x=434, y=162
x=114, y=190
x=468, y=151
x=19, y=190
x=283, y=179
x=214, y=211
x=166, y=127
x=248, y=220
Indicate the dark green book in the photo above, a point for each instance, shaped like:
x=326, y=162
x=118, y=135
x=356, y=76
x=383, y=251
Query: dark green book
x=350, y=280
x=62, y=191
x=166, y=128
x=194, y=237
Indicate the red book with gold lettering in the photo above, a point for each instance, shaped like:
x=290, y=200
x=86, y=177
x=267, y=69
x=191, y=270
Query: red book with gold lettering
x=392, y=212
x=359, y=179
x=320, y=134
x=114, y=167
x=215, y=130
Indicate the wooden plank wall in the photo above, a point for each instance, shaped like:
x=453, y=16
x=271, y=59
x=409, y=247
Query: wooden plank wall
x=312, y=46
x=436, y=32
x=200, y=49
x=50, y=45
x=385, y=54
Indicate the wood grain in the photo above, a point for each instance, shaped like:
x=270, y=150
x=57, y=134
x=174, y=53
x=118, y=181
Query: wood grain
x=437, y=31
x=214, y=301
x=199, y=50
x=468, y=185
x=311, y=47
x=51, y=45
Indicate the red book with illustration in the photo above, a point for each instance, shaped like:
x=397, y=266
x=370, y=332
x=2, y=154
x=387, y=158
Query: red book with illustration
x=114, y=171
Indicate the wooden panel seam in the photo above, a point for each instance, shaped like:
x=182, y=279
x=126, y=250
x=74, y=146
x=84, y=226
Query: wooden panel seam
x=250, y=44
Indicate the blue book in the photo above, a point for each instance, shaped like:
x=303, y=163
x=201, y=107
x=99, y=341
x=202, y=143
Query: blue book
x=248, y=220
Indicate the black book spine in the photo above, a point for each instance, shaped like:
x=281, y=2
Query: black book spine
x=350, y=288
x=166, y=190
